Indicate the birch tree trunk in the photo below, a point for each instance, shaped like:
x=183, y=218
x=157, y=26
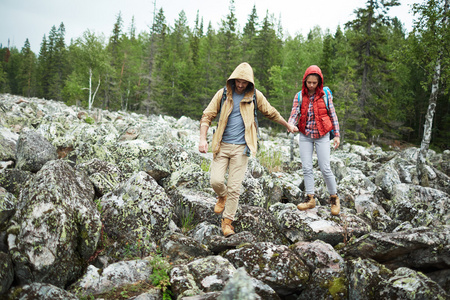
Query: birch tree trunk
x=422, y=171
x=428, y=126
x=92, y=95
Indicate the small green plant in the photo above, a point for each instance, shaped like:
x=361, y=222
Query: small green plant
x=270, y=159
x=89, y=120
x=124, y=294
x=160, y=276
x=205, y=165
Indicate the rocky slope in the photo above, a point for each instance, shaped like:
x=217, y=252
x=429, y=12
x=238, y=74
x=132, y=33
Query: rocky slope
x=94, y=201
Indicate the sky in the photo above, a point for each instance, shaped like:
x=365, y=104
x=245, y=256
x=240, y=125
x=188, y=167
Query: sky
x=32, y=19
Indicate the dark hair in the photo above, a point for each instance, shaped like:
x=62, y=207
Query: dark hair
x=318, y=77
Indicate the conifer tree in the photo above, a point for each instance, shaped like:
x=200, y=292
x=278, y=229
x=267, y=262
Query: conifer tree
x=249, y=36
x=27, y=67
x=368, y=41
x=229, y=49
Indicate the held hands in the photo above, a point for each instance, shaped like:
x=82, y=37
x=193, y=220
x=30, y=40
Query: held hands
x=291, y=128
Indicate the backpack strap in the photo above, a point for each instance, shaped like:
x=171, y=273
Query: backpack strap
x=325, y=97
x=255, y=103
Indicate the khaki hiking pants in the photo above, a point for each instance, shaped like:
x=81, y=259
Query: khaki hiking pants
x=233, y=158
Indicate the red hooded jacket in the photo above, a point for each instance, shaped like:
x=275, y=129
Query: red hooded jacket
x=321, y=116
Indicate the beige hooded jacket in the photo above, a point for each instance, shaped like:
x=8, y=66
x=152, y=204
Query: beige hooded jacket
x=244, y=72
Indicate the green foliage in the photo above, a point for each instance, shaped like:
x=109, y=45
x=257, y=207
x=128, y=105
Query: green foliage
x=89, y=120
x=379, y=75
x=206, y=164
x=160, y=276
x=270, y=158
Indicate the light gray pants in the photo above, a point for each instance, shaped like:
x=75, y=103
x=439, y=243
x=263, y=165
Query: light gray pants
x=306, y=145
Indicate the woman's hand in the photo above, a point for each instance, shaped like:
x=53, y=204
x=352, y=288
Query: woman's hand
x=337, y=142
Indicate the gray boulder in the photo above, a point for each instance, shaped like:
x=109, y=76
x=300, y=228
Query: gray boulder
x=33, y=151
x=418, y=248
x=204, y=275
x=136, y=215
x=267, y=262
x=58, y=226
x=46, y=291
x=8, y=142
x=97, y=281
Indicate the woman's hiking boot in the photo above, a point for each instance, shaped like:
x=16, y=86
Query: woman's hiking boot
x=335, y=205
x=227, y=228
x=310, y=203
x=220, y=205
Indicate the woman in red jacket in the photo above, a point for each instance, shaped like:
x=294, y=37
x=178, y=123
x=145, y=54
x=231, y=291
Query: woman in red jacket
x=315, y=121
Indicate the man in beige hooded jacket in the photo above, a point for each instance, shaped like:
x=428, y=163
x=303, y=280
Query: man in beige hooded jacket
x=235, y=138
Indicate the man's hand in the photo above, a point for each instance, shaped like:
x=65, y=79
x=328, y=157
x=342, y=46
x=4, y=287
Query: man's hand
x=203, y=146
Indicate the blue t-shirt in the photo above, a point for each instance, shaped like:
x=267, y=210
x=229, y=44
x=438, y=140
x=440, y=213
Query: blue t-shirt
x=235, y=131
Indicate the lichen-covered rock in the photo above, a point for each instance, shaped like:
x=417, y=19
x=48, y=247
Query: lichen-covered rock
x=371, y=280
x=104, y=176
x=387, y=177
x=189, y=176
x=6, y=272
x=137, y=211
x=41, y=291
x=318, y=255
x=261, y=223
x=182, y=248
x=409, y=284
x=430, y=207
x=252, y=192
x=419, y=248
x=203, y=232
x=153, y=169
x=326, y=284
x=365, y=277
x=209, y=274
x=242, y=286
x=33, y=151
x=328, y=278
x=267, y=262
x=367, y=208
x=14, y=179
x=128, y=155
x=58, y=226
x=8, y=142
x=8, y=205
x=219, y=243
x=194, y=205
x=97, y=281
x=317, y=223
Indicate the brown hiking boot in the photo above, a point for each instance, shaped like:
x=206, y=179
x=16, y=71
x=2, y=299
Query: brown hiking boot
x=220, y=205
x=335, y=205
x=227, y=228
x=310, y=203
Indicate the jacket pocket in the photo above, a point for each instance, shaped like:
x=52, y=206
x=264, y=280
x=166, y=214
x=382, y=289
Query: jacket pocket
x=326, y=123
